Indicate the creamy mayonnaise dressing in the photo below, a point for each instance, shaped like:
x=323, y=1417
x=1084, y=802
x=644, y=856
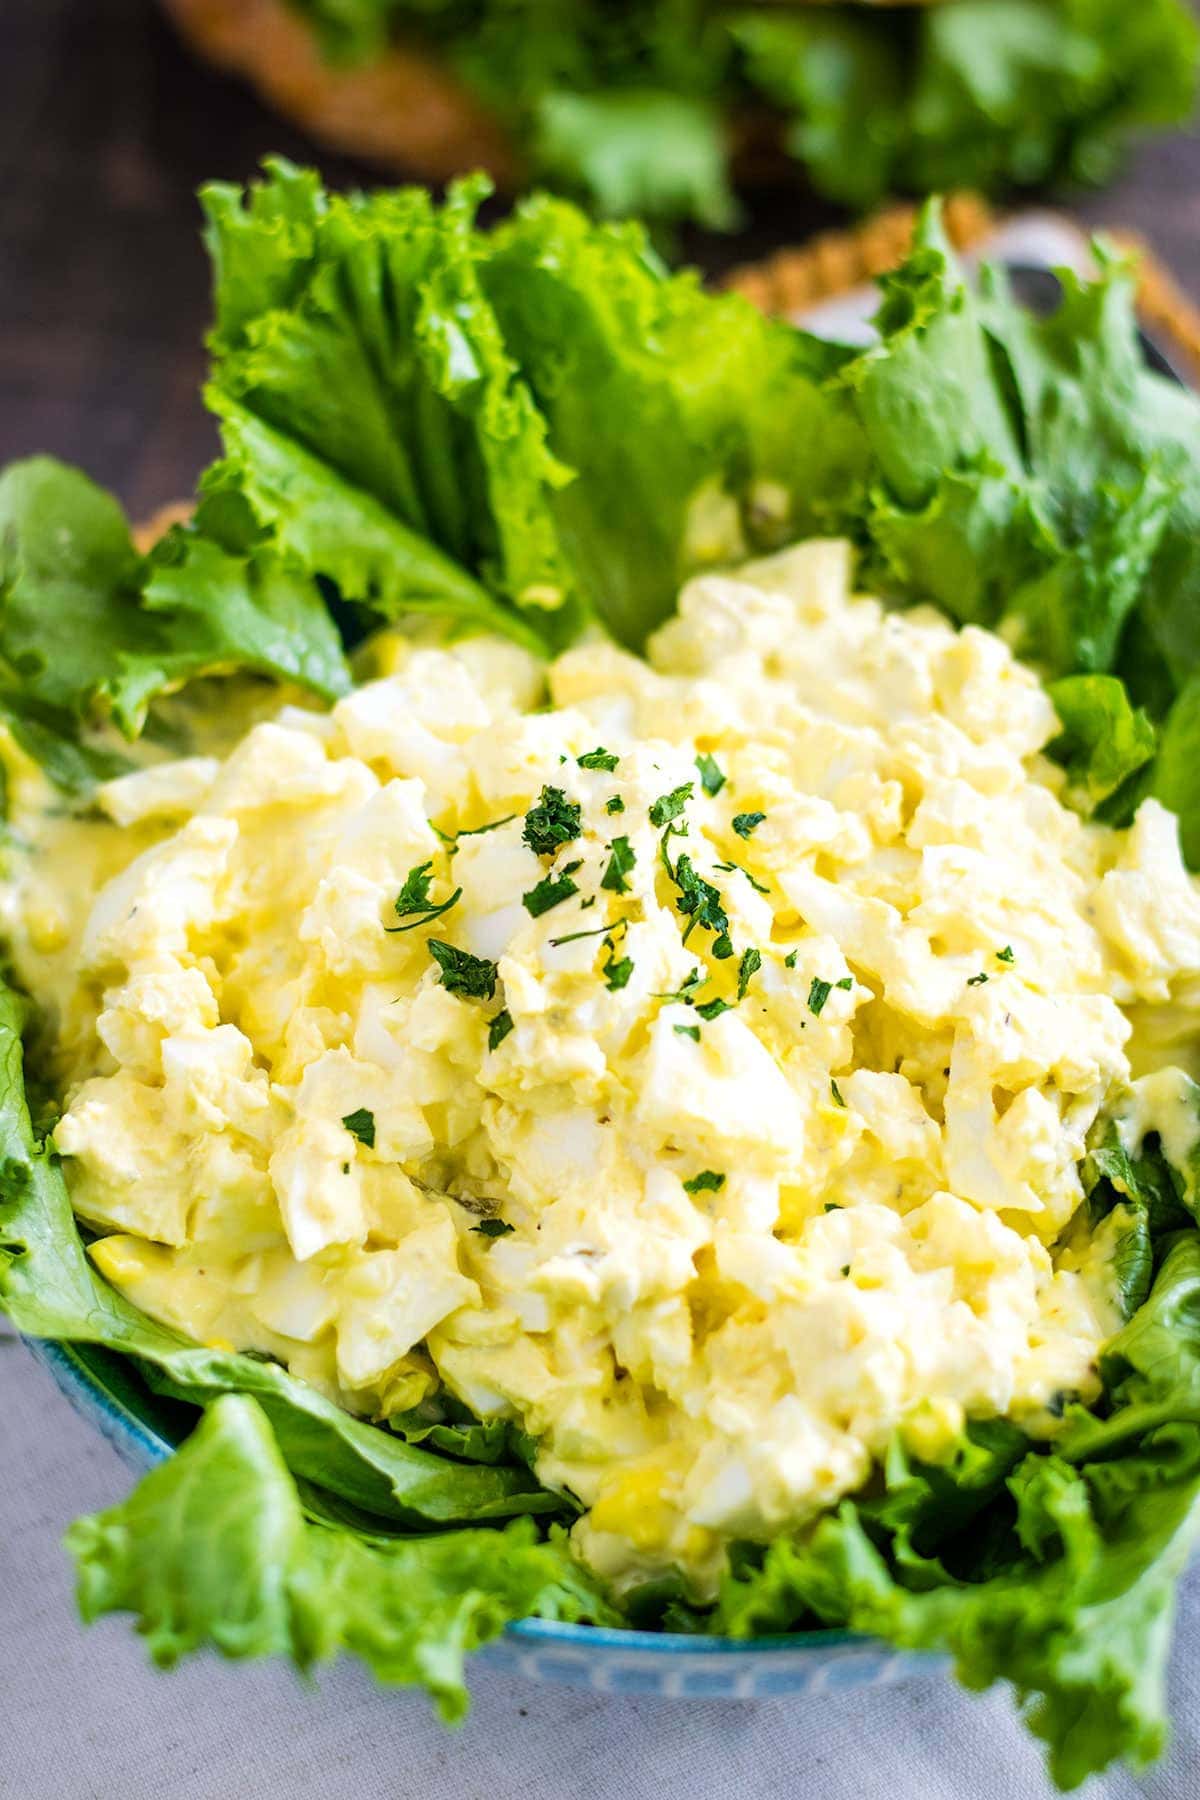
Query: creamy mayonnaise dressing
x=736, y=1248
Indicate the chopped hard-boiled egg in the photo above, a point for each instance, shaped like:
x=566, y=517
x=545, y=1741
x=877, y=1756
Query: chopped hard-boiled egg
x=696, y=1068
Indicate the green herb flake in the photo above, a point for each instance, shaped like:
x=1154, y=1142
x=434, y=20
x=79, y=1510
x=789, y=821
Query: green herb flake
x=729, y=868
x=700, y=902
x=976, y=980
x=688, y=1031
x=745, y=823
x=616, y=971
x=361, y=1124
x=706, y=1182
x=413, y=899
x=620, y=864
x=493, y=1228
x=499, y=1028
x=845, y=1269
x=472, y=976
x=712, y=778
x=553, y=822
x=685, y=993
x=1006, y=955
x=836, y=1091
x=818, y=994
x=749, y=966
x=598, y=759
x=669, y=806
x=833, y=1206
x=723, y=947
x=548, y=893
x=846, y=983
x=789, y=961
x=712, y=1009
x=452, y=837
x=574, y=937
x=615, y=804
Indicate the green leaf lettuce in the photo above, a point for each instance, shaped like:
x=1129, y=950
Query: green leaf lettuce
x=990, y=94
x=214, y=1548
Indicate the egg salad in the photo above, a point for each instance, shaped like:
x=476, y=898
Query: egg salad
x=691, y=1059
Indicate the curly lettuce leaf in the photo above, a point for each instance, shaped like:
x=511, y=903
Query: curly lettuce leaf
x=372, y=416
x=990, y=94
x=698, y=429
x=518, y=431
x=1104, y=740
x=528, y=429
x=637, y=152
x=842, y=80
x=87, y=625
x=214, y=1548
x=1020, y=477
x=985, y=94
x=1017, y=93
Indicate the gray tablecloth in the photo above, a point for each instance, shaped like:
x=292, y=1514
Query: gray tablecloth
x=85, y=1717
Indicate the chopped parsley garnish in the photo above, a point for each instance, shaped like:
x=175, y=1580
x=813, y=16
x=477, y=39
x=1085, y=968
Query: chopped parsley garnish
x=749, y=966
x=573, y=937
x=712, y=1009
x=669, y=806
x=789, y=961
x=499, y=1028
x=845, y=1269
x=686, y=991
x=413, y=898
x=836, y=1091
x=846, y=983
x=976, y=980
x=361, y=1124
x=493, y=1228
x=833, y=1206
x=614, y=805
x=620, y=863
x=598, y=759
x=452, y=837
x=706, y=1182
x=712, y=779
x=689, y=1031
x=1006, y=955
x=553, y=822
x=818, y=994
x=472, y=976
x=616, y=971
x=745, y=823
x=723, y=947
x=550, y=892
x=728, y=868
x=700, y=902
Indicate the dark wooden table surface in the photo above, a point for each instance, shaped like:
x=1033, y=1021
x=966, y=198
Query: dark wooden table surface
x=107, y=128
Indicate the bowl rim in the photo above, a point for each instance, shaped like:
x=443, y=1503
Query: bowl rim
x=141, y=1445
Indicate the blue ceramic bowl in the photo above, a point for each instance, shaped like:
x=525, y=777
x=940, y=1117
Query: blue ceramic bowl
x=144, y=1430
